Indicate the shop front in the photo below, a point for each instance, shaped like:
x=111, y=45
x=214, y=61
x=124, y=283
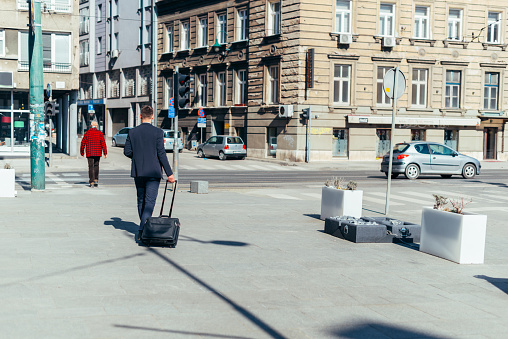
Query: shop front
x=91, y=110
x=14, y=123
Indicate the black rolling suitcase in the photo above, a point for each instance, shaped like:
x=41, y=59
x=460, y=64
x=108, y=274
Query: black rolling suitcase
x=162, y=230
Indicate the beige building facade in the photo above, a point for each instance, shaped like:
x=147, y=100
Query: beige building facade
x=59, y=19
x=331, y=56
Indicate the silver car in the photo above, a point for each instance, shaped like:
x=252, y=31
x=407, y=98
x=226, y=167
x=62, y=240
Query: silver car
x=223, y=146
x=169, y=140
x=120, y=137
x=420, y=157
x=273, y=145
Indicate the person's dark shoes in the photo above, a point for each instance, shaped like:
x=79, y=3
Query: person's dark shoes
x=96, y=184
x=91, y=185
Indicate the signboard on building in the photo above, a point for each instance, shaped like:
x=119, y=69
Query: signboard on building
x=171, y=108
x=91, y=109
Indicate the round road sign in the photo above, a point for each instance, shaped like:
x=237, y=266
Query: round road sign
x=201, y=113
x=394, y=76
x=171, y=101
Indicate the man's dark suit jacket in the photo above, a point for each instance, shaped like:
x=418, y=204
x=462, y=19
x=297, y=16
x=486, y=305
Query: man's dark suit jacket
x=145, y=146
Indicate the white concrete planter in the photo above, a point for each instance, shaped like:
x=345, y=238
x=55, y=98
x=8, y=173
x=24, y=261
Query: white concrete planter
x=336, y=202
x=7, y=183
x=456, y=237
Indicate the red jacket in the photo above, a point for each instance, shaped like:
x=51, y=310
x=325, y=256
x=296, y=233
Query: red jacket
x=94, y=142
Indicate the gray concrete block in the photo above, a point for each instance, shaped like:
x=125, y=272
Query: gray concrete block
x=200, y=187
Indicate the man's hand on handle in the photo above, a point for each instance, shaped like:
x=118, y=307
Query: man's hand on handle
x=171, y=178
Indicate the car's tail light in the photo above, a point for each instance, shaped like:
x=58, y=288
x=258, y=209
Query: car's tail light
x=165, y=140
x=271, y=147
x=243, y=146
x=226, y=147
x=402, y=156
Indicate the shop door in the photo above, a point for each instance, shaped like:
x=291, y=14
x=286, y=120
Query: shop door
x=120, y=119
x=383, y=142
x=339, y=143
x=489, y=143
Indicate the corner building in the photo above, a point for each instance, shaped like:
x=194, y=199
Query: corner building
x=453, y=55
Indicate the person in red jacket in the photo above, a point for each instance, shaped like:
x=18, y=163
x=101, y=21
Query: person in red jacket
x=93, y=141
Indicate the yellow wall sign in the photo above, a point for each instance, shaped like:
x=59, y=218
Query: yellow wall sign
x=226, y=125
x=320, y=130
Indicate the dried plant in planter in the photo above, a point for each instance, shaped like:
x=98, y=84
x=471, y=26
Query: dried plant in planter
x=340, y=183
x=458, y=204
x=352, y=185
x=7, y=166
x=440, y=202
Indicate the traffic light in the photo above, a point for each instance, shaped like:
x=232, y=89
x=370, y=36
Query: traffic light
x=183, y=90
x=305, y=114
x=49, y=108
x=56, y=107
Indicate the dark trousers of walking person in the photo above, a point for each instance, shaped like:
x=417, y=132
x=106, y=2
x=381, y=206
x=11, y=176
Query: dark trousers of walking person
x=147, y=189
x=93, y=169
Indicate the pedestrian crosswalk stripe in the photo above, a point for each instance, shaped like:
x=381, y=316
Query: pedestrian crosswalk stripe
x=186, y=167
x=495, y=196
x=70, y=174
x=240, y=167
x=259, y=167
x=417, y=194
x=55, y=178
x=406, y=199
x=380, y=201
x=313, y=195
x=283, y=196
x=222, y=167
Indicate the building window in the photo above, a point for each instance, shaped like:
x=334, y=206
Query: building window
x=129, y=88
x=343, y=16
x=99, y=12
x=56, y=52
x=273, y=18
x=241, y=87
x=241, y=33
x=221, y=89
x=51, y=5
x=84, y=53
x=273, y=84
x=84, y=21
x=382, y=98
x=203, y=32
x=185, y=37
x=169, y=39
x=99, y=45
x=222, y=29
x=2, y=43
x=114, y=10
x=422, y=22
x=115, y=41
x=491, y=91
x=452, y=93
x=387, y=20
x=114, y=85
x=148, y=30
x=101, y=85
x=202, y=99
x=493, y=32
x=417, y=135
x=419, y=87
x=341, y=84
x=455, y=24
x=144, y=83
x=450, y=138
x=168, y=91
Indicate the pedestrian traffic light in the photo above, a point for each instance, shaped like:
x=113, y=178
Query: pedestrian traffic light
x=56, y=107
x=49, y=108
x=183, y=90
x=305, y=114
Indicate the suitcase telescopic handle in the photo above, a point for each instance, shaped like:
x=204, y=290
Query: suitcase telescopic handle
x=172, y=200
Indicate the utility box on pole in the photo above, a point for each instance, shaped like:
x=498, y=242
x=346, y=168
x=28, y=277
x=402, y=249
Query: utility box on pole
x=36, y=98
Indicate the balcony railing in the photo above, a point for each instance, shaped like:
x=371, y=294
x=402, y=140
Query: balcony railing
x=48, y=6
x=47, y=67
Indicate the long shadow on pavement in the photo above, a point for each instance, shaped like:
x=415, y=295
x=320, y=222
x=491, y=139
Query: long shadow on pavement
x=120, y=224
x=273, y=333
x=378, y=330
x=214, y=242
x=200, y=334
x=77, y=268
x=501, y=283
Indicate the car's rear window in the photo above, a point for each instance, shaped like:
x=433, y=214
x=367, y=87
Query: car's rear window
x=170, y=134
x=399, y=148
x=234, y=140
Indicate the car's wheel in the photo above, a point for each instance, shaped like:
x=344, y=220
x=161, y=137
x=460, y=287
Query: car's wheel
x=200, y=153
x=242, y=158
x=180, y=150
x=469, y=171
x=412, y=171
x=394, y=175
x=446, y=176
x=113, y=142
x=222, y=156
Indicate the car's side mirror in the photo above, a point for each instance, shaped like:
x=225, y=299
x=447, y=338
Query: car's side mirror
x=455, y=154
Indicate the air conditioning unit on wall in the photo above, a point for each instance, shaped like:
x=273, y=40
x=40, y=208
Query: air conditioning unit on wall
x=114, y=54
x=389, y=41
x=345, y=39
x=285, y=111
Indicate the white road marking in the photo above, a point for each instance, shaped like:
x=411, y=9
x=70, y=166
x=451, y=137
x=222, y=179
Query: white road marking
x=313, y=195
x=283, y=196
x=380, y=201
x=70, y=174
x=405, y=199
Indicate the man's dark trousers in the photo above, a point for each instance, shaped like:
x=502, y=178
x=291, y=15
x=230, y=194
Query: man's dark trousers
x=93, y=169
x=147, y=189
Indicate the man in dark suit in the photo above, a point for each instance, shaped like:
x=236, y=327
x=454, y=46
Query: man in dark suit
x=145, y=146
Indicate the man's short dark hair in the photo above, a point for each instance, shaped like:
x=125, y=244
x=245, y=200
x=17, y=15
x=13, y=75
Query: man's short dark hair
x=146, y=112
